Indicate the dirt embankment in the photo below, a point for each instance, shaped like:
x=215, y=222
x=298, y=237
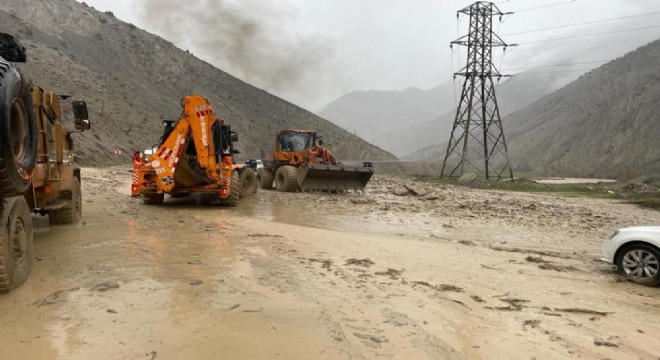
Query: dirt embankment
x=409, y=270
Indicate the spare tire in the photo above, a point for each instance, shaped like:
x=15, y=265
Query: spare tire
x=18, y=131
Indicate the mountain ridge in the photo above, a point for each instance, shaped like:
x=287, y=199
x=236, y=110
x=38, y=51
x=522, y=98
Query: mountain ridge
x=603, y=124
x=136, y=78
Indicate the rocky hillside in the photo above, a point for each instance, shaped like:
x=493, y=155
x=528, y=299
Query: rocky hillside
x=135, y=78
x=603, y=124
x=512, y=95
x=403, y=122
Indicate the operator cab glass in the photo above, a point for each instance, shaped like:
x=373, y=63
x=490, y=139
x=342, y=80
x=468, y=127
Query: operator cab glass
x=297, y=141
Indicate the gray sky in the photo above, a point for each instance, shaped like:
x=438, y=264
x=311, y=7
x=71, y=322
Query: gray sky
x=312, y=51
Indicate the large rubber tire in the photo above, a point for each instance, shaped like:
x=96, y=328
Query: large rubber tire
x=153, y=198
x=286, y=179
x=18, y=131
x=234, y=191
x=16, y=243
x=248, y=183
x=265, y=178
x=72, y=213
x=650, y=253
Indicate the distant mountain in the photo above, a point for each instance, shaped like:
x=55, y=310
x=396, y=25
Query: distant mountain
x=136, y=78
x=413, y=143
x=394, y=120
x=406, y=121
x=604, y=124
x=370, y=114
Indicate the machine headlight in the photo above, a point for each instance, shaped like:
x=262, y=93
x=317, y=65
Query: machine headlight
x=614, y=234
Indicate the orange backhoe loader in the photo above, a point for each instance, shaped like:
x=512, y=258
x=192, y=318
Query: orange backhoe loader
x=300, y=162
x=195, y=155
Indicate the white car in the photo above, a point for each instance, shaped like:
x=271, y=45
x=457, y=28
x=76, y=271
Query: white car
x=636, y=252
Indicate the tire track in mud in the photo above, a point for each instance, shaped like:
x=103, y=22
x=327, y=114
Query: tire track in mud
x=370, y=284
x=383, y=307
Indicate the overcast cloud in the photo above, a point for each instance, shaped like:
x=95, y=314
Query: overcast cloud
x=312, y=51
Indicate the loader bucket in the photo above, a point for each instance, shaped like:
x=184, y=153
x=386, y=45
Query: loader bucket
x=333, y=178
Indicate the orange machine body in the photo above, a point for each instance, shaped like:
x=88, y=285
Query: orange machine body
x=301, y=162
x=304, y=151
x=156, y=173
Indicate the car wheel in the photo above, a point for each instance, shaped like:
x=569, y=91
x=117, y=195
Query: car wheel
x=640, y=263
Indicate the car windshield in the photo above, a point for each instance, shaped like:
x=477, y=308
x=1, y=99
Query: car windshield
x=296, y=141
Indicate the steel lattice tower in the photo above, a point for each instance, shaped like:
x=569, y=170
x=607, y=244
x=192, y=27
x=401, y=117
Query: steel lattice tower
x=477, y=141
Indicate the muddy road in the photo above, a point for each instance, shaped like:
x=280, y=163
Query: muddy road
x=427, y=272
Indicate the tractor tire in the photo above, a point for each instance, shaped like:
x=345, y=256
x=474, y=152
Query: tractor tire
x=153, y=198
x=248, y=183
x=286, y=179
x=16, y=243
x=234, y=191
x=72, y=213
x=265, y=179
x=18, y=132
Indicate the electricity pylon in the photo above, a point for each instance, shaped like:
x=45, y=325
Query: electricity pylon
x=477, y=142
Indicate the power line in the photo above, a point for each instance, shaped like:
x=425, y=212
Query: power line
x=558, y=65
x=655, y=64
x=584, y=23
x=590, y=35
x=580, y=63
x=552, y=72
x=545, y=6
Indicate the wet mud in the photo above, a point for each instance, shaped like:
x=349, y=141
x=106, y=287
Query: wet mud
x=405, y=271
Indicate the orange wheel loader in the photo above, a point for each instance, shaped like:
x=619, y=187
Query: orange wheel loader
x=300, y=162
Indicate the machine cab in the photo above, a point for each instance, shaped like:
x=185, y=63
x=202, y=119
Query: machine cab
x=294, y=140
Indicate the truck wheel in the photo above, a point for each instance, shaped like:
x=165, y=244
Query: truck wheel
x=18, y=132
x=286, y=179
x=248, y=183
x=16, y=243
x=153, y=198
x=72, y=213
x=265, y=179
x=234, y=191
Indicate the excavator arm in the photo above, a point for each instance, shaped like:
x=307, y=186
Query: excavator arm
x=197, y=120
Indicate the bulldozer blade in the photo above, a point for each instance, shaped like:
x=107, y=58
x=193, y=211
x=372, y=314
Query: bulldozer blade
x=333, y=178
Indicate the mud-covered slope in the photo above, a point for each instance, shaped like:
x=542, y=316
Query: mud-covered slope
x=603, y=124
x=135, y=78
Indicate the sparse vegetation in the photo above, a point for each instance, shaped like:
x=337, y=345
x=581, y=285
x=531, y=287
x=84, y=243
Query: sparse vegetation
x=526, y=185
x=646, y=194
